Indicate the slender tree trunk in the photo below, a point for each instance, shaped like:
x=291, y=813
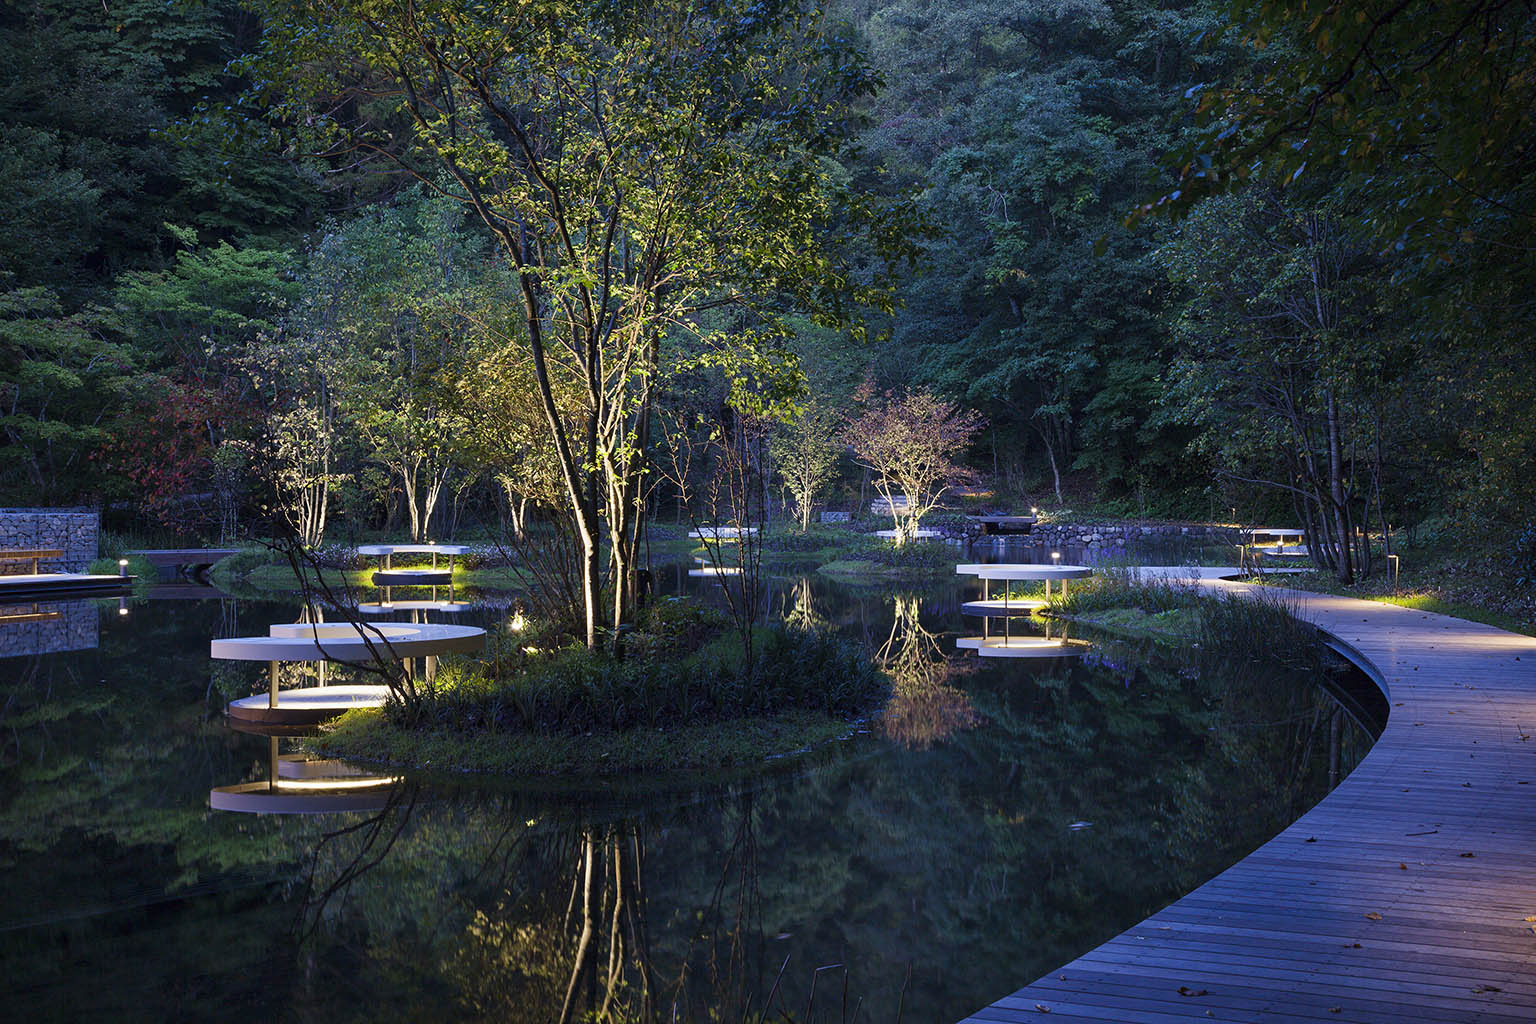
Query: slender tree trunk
x=1336, y=493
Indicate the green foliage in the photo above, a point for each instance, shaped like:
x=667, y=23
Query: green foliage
x=62, y=378
x=573, y=691
x=1031, y=128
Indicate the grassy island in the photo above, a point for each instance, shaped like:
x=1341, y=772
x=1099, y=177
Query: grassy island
x=681, y=694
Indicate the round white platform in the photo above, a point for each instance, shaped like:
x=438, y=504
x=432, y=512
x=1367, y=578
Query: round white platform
x=998, y=609
x=310, y=705
x=915, y=535
x=402, y=640
x=722, y=533
x=1277, y=532
x=1023, y=571
x=328, y=796
x=710, y=570
x=414, y=549
x=1021, y=647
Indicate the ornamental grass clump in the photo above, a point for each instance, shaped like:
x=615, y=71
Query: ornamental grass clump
x=1121, y=587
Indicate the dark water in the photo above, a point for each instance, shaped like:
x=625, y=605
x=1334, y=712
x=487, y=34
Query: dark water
x=1001, y=818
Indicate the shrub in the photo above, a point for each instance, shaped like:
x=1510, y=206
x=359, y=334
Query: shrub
x=918, y=554
x=575, y=691
x=247, y=561
x=487, y=557
x=814, y=539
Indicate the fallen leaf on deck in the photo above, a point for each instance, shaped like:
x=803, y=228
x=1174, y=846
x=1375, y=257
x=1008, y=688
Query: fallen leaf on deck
x=1185, y=990
x=1486, y=988
x=1468, y=855
x=1042, y=1008
x=1373, y=916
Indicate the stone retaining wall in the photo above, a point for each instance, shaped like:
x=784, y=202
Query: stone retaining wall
x=1179, y=539
x=74, y=532
x=1121, y=534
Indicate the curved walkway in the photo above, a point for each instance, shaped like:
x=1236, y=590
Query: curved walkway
x=1407, y=894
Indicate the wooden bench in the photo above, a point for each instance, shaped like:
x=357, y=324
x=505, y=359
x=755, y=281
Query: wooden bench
x=33, y=555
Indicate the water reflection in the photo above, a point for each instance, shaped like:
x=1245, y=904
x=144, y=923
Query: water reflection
x=924, y=708
x=940, y=859
x=30, y=628
x=299, y=784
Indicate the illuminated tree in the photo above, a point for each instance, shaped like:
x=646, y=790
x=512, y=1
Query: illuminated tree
x=636, y=164
x=911, y=443
x=805, y=451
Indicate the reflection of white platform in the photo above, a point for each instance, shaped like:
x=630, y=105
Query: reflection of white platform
x=716, y=571
x=316, y=796
x=915, y=535
x=1021, y=647
x=999, y=609
x=310, y=705
x=386, y=607
x=341, y=641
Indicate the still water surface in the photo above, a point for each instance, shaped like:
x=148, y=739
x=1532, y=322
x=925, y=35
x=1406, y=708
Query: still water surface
x=1001, y=818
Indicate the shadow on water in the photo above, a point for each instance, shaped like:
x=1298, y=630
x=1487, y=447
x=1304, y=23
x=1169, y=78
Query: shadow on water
x=995, y=820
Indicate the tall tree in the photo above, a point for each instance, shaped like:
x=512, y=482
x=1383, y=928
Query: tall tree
x=1292, y=361
x=637, y=163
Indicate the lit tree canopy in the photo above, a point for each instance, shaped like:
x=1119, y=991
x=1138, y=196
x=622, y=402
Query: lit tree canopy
x=637, y=164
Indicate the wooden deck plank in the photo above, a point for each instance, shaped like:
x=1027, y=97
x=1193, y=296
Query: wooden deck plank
x=1273, y=938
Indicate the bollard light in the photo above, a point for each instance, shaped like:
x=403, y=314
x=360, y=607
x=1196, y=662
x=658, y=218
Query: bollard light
x=1056, y=557
x=122, y=570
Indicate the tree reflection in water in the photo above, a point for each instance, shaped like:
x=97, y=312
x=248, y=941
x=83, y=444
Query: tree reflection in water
x=566, y=937
x=924, y=708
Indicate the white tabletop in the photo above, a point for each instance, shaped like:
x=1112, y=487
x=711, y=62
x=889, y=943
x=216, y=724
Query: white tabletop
x=341, y=642
x=722, y=532
x=1023, y=571
x=414, y=549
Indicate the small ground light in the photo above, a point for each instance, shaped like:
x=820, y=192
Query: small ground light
x=1056, y=557
x=122, y=570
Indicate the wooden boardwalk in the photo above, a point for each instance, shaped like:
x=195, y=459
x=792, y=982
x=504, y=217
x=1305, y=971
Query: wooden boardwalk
x=1406, y=895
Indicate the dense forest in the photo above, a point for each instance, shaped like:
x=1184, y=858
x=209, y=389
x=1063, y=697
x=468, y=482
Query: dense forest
x=1182, y=257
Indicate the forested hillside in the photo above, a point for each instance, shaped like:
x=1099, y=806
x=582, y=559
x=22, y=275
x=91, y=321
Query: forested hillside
x=1176, y=272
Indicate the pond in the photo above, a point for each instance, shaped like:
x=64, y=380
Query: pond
x=1001, y=818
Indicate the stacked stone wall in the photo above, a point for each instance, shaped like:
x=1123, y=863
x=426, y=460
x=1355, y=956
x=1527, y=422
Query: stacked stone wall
x=74, y=532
